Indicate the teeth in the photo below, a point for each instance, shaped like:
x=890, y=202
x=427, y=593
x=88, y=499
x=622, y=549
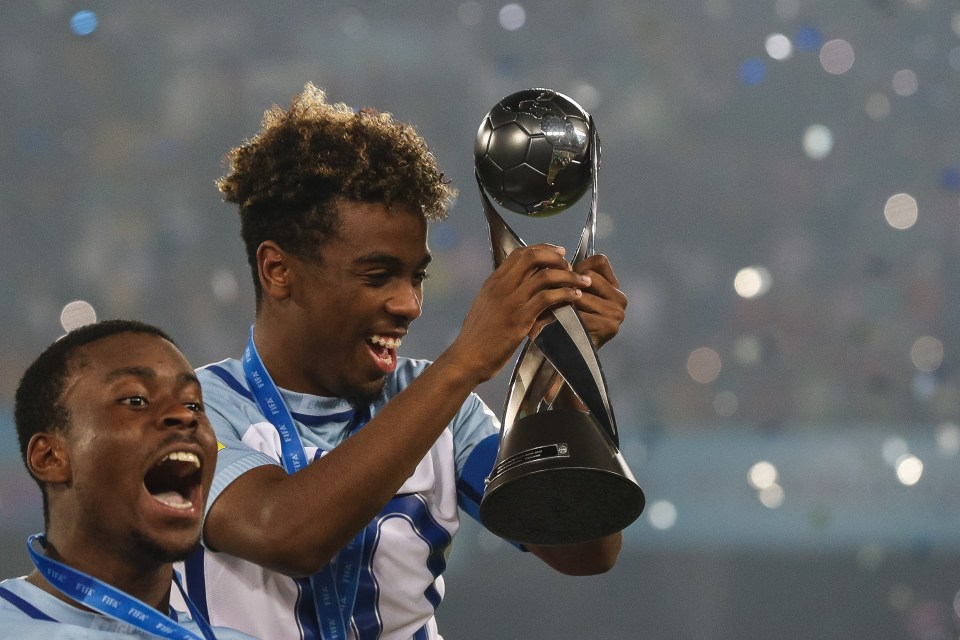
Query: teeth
x=182, y=456
x=385, y=341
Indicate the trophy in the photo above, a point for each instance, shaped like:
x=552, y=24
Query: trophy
x=559, y=477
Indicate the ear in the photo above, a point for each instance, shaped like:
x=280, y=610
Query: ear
x=273, y=268
x=47, y=458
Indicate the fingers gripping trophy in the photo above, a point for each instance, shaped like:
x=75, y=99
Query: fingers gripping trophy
x=559, y=477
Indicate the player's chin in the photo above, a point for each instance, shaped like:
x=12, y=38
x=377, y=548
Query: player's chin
x=365, y=392
x=181, y=549
x=171, y=546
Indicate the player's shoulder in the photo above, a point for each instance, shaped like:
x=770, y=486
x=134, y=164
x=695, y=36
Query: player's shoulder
x=221, y=371
x=15, y=591
x=409, y=368
x=406, y=372
x=224, y=379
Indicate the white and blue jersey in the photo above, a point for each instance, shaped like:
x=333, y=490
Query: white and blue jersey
x=406, y=545
x=27, y=612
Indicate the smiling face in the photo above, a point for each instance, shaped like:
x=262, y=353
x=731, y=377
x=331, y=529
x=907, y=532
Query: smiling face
x=350, y=311
x=139, y=453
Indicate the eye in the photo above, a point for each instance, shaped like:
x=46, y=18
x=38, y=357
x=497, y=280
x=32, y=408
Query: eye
x=420, y=276
x=377, y=278
x=135, y=401
x=196, y=407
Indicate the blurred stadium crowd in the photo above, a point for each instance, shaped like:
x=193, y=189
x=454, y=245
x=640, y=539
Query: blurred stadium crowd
x=113, y=137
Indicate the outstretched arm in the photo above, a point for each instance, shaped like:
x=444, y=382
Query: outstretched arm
x=294, y=524
x=602, y=308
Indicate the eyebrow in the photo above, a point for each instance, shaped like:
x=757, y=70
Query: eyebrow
x=147, y=372
x=389, y=260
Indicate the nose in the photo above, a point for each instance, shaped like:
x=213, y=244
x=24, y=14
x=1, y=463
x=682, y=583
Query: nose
x=406, y=301
x=178, y=415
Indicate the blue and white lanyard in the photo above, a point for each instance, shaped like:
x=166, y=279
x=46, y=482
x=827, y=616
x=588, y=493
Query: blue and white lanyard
x=334, y=589
x=110, y=601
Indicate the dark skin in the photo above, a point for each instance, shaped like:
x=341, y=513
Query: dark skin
x=260, y=516
x=133, y=399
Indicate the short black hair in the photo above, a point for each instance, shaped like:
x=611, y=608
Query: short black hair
x=37, y=407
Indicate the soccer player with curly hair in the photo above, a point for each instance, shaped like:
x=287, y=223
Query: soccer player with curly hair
x=343, y=466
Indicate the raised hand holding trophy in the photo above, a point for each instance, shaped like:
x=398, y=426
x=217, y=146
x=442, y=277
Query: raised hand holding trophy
x=559, y=477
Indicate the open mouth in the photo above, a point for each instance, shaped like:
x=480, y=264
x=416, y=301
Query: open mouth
x=175, y=480
x=384, y=350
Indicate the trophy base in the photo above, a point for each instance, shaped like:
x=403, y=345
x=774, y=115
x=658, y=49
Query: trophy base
x=559, y=480
x=562, y=506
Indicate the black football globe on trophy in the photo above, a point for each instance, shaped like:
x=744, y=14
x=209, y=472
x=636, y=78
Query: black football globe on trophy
x=559, y=477
x=533, y=152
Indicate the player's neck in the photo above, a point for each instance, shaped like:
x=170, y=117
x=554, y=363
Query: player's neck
x=149, y=582
x=283, y=356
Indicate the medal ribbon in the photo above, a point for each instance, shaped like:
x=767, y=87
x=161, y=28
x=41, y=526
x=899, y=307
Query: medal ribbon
x=334, y=586
x=110, y=601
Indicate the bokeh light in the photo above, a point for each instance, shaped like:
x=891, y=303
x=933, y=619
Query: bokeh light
x=512, y=16
x=817, y=141
x=900, y=211
x=225, y=287
x=703, y=365
x=771, y=497
x=953, y=58
x=877, y=106
x=778, y=46
x=752, y=282
x=752, y=71
x=808, y=39
x=956, y=604
x=586, y=94
x=909, y=469
x=83, y=23
x=948, y=439
x=725, y=403
x=893, y=449
x=836, y=56
x=926, y=354
x=77, y=314
x=762, y=474
x=905, y=82
x=747, y=350
x=662, y=514
x=950, y=179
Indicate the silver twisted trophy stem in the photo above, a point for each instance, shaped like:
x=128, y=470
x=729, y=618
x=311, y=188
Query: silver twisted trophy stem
x=562, y=352
x=559, y=477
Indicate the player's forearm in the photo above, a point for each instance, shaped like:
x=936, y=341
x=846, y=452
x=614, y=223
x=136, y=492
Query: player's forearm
x=295, y=524
x=583, y=559
x=309, y=516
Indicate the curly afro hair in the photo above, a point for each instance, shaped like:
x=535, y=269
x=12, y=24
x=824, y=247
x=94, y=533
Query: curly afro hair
x=287, y=179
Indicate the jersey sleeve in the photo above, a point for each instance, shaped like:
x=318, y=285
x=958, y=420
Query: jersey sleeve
x=476, y=434
x=477, y=442
x=232, y=414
